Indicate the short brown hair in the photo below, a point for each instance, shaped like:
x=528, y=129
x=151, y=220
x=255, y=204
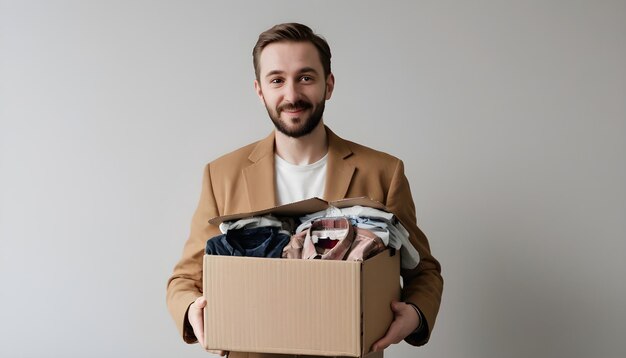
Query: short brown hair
x=291, y=32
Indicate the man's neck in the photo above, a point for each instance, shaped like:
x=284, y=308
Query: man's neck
x=304, y=150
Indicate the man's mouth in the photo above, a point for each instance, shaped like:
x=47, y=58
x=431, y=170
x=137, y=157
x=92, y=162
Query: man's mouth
x=295, y=108
x=293, y=111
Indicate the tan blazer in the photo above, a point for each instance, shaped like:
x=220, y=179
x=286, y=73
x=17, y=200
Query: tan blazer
x=243, y=181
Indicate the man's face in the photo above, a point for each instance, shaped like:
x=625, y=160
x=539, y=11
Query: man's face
x=293, y=87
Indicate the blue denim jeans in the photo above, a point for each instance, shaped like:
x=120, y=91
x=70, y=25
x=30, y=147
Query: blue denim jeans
x=254, y=242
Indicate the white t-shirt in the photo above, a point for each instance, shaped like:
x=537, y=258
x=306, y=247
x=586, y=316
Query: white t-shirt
x=299, y=182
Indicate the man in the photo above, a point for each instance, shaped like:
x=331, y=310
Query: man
x=302, y=158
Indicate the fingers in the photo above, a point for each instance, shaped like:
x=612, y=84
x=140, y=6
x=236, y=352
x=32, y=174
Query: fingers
x=196, y=319
x=380, y=345
x=221, y=353
x=389, y=338
x=396, y=307
x=399, y=328
x=200, y=302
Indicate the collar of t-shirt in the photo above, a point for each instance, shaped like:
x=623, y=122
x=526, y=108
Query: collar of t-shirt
x=299, y=182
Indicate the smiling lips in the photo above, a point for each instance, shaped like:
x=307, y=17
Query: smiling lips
x=294, y=108
x=297, y=111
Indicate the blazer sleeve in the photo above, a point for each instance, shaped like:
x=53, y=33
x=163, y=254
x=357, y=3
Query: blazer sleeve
x=185, y=284
x=423, y=285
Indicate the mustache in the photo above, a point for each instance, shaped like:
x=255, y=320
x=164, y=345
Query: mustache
x=297, y=105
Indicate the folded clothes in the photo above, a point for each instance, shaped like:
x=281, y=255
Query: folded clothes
x=384, y=224
x=286, y=224
x=333, y=239
x=351, y=233
x=254, y=242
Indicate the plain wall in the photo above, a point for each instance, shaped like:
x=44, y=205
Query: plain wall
x=510, y=117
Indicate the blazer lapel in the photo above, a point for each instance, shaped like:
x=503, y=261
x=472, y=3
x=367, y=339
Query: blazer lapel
x=339, y=171
x=260, y=181
x=260, y=175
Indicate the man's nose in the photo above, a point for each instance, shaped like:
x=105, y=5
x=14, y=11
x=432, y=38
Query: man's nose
x=292, y=92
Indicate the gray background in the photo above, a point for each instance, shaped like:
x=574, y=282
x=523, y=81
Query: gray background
x=510, y=117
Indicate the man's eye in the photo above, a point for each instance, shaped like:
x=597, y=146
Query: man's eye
x=306, y=78
x=276, y=81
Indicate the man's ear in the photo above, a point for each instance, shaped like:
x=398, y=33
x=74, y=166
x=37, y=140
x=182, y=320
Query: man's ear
x=259, y=92
x=330, y=85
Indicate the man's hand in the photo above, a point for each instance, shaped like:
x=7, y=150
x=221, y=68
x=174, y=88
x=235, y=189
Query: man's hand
x=195, y=315
x=405, y=321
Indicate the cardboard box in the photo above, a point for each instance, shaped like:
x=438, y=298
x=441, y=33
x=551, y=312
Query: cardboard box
x=291, y=306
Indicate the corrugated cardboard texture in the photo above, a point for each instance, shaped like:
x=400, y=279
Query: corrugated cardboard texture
x=317, y=303
x=380, y=285
x=314, y=307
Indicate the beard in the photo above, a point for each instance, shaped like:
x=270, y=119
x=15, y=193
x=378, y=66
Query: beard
x=301, y=125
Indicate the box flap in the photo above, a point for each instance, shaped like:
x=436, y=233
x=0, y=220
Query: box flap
x=297, y=208
x=318, y=302
x=380, y=285
x=300, y=208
